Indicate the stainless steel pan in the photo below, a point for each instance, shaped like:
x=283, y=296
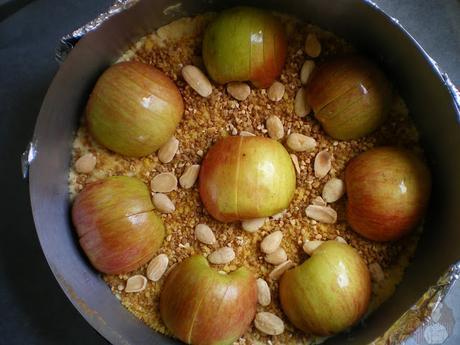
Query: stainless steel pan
x=427, y=92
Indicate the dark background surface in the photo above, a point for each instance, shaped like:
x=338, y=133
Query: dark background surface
x=33, y=308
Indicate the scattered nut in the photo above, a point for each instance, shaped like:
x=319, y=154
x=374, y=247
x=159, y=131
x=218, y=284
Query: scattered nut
x=157, y=267
x=136, y=283
x=333, y=190
x=167, y=152
x=162, y=203
x=279, y=215
x=295, y=161
x=204, y=234
x=306, y=70
x=376, y=272
x=279, y=270
x=252, y=225
x=300, y=143
x=85, y=164
x=312, y=46
x=247, y=134
x=221, y=256
x=318, y=201
x=164, y=183
x=275, y=127
x=271, y=242
x=322, y=214
x=301, y=107
x=269, y=323
x=276, y=91
x=310, y=246
x=263, y=292
x=323, y=163
x=189, y=177
x=341, y=239
x=238, y=90
x=277, y=257
x=197, y=80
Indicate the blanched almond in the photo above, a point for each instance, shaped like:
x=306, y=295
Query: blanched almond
x=221, y=256
x=271, y=242
x=197, y=80
x=279, y=270
x=136, y=283
x=85, y=164
x=238, y=90
x=276, y=91
x=301, y=106
x=157, y=267
x=167, y=152
x=275, y=127
x=306, y=70
x=252, y=225
x=189, y=177
x=247, y=134
x=204, y=234
x=312, y=46
x=322, y=214
x=300, y=143
x=310, y=246
x=341, y=239
x=164, y=183
x=263, y=292
x=323, y=164
x=333, y=190
x=269, y=323
x=162, y=203
x=295, y=161
x=319, y=201
x=277, y=257
x=376, y=272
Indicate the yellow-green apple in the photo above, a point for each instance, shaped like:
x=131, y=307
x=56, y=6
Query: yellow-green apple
x=350, y=96
x=134, y=109
x=329, y=292
x=246, y=177
x=245, y=43
x=388, y=190
x=203, y=307
x=116, y=225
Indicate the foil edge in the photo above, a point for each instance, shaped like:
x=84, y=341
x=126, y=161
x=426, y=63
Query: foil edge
x=68, y=42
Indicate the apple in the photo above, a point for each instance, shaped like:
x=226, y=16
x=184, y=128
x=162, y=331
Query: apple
x=350, y=97
x=245, y=43
x=203, y=307
x=134, y=109
x=116, y=225
x=388, y=191
x=329, y=292
x=246, y=178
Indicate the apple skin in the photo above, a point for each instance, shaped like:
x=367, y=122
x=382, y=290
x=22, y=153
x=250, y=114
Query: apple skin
x=203, y=307
x=329, y=292
x=116, y=225
x=246, y=177
x=245, y=43
x=388, y=191
x=134, y=109
x=350, y=97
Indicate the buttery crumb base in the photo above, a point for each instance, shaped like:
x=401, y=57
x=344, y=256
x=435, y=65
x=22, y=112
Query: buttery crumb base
x=208, y=119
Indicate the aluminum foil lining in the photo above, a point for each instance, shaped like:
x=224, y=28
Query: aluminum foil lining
x=430, y=320
x=69, y=41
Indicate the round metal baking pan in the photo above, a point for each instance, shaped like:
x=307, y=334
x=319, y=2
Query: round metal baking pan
x=422, y=85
